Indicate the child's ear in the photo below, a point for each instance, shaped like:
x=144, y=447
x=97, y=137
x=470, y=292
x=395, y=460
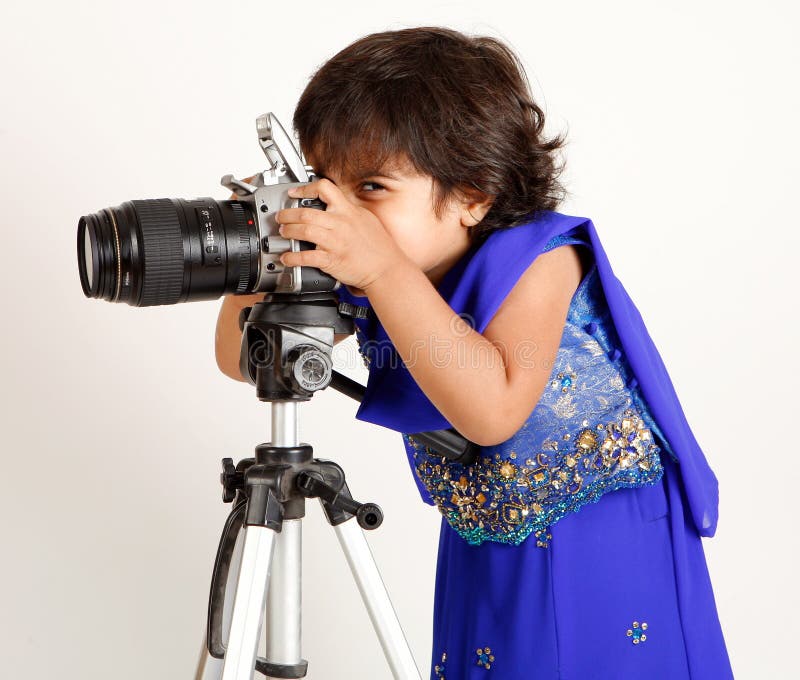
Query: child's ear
x=474, y=207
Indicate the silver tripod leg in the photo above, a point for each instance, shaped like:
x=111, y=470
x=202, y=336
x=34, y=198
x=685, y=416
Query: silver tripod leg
x=249, y=603
x=376, y=598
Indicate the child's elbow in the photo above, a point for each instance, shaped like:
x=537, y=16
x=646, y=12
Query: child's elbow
x=230, y=370
x=227, y=363
x=490, y=434
x=489, y=438
x=499, y=427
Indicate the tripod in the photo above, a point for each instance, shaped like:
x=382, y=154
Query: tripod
x=286, y=344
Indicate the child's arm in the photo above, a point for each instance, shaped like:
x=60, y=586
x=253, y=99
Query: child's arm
x=485, y=385
x=228, y=337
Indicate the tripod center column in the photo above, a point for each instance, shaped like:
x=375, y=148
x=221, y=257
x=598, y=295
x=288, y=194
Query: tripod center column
x=285, y=423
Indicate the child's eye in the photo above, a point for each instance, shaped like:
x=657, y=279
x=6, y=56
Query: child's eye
x=371, y=184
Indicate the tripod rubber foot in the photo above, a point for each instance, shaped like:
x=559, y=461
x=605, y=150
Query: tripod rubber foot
x=282, y=670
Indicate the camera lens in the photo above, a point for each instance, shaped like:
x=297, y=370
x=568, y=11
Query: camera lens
x=168, y=250
x=88, y=258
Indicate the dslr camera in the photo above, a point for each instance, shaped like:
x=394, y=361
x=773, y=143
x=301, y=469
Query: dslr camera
x=168, y=250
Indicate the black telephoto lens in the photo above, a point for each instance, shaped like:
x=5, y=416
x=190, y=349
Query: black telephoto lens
x=168, y=250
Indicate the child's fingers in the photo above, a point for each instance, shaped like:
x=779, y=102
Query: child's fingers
x=307, y=258
x=322, y=188
x=303, y=216
x=314, y=233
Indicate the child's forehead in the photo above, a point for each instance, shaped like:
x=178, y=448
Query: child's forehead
x=357, y=166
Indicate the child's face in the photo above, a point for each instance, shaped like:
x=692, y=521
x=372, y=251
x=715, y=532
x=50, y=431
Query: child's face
x=402, y=200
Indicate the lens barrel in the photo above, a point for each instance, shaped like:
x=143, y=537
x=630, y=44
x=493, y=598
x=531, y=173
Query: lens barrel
x=168, y=250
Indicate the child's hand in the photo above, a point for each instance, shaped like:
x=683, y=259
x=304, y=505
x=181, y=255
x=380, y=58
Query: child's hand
x=353, y=246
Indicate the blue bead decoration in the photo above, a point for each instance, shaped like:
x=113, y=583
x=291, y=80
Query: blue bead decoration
x=636, y=633
x=439, y=667
x=614, y=354
x=543, y=538
x=485, y=657
x=591, y=328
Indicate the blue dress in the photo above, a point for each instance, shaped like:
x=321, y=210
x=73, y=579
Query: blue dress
x=565, y=552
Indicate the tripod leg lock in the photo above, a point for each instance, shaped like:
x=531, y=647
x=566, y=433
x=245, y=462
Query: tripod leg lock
x=338, y=505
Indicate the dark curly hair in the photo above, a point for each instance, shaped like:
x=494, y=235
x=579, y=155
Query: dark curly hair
x=459, y=108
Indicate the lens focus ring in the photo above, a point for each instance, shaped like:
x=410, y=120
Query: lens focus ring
x=244, y=247
x=163, y=251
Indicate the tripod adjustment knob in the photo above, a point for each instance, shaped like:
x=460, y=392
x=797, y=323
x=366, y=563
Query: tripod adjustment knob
x=308, y=369
x=369, y=516
x=231, y=480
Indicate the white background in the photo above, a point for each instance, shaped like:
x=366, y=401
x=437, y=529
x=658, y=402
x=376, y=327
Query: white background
x=682, y=122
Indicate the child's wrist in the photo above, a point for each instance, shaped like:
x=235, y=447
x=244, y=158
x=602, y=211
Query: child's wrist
x=395, y=273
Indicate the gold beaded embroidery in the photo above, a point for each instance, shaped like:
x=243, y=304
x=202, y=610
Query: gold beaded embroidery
x=504, y=500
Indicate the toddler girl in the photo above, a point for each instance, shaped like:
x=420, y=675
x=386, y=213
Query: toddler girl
x=570, y=547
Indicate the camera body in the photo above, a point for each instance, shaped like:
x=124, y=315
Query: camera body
x=267, y=193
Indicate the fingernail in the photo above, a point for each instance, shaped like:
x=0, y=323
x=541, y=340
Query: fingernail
x=280, y=230
x=292, y=191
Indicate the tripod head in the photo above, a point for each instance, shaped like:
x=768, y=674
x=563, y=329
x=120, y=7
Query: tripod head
x=287, y=340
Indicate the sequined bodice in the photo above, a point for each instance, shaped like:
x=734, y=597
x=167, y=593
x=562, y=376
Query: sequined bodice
x=590, y=433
